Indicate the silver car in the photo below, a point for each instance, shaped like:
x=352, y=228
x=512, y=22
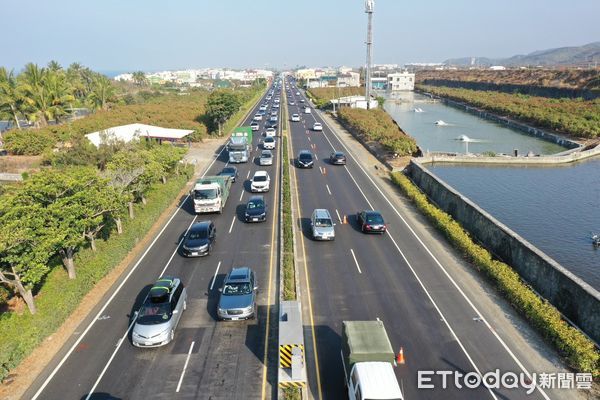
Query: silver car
x=158, y=317
x=321, y=224
x=266, y=157
x=238, y=295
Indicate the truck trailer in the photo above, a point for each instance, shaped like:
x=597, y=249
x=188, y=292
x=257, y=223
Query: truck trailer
x=240, y=145
x=368, y=360
x=210, y=194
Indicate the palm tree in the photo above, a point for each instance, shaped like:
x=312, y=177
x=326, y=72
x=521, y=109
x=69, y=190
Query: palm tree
x=102, y=92
x=46, y=93
x=139, y=78
x=11, y=101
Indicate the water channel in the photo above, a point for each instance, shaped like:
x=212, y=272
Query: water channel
x=555, y=208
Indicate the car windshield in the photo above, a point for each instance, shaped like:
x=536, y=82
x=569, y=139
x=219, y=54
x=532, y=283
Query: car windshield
x=305, y=156
x=205, y=194
x=151, y=314
x=229, y=171
x=322, y=222
x=260, y=178
x=374, y=219
x=236, y=289
x=269, y=140
x=266, y=155
x=198, y=234
x=252, y=205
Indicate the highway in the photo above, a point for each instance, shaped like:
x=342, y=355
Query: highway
x=394, y=277
x=206, y=359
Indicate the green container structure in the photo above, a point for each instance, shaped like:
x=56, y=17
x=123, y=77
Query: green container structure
x=244, y=131
x=364, y=341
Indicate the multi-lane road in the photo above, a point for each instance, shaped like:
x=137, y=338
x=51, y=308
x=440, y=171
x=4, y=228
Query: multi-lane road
x=395, y=277
x=207, y=359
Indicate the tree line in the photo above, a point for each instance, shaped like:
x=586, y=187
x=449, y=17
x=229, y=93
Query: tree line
x=58, y=211
x=40, y=95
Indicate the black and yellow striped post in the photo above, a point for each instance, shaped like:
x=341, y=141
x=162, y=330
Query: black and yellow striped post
x=292, y=384
x=285, y=354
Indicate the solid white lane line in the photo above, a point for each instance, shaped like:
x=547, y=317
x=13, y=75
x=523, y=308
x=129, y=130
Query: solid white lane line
x=338, y=214
x=439, y=264
x=248, y=175
x=177, y=248
x=110, y=299
x=215, y=277
x=241, y=195
x=184, y=367
x=232, y=222
x=316, y=157
x=329, y=191
x=119, y=343
x=357, y=266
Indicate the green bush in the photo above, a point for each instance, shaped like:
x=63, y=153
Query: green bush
x=579, y=351
x=59, y=295
x=376, y=125
x=28, y=142
x=292, y=394
x=289, y=278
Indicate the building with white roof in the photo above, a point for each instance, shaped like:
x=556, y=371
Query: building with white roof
x=131, y=132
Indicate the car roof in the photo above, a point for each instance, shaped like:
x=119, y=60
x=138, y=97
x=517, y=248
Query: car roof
x=338, y=153
x=267, y=152
x=305, y=152
x=239, y=274
x=317, y=123
x=261, y=173
x=321, y=213
x=270, y=139
x=256, y=198
x=199, y=226
x=162, y=287
x=372, y=212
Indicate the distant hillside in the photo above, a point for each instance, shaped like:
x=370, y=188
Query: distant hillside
x=562, y=56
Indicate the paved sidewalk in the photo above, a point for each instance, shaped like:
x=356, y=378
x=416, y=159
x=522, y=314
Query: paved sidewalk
x=512, y=328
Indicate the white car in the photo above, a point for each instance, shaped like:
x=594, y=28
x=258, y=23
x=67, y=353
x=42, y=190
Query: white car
x=306, y=110
x=273, y=118
x=270, y=132
x=317, y=126
x=263, y=108
x=260, y=182
x=295, y=118
x=297, y=93
x=254, y=125
x=257, y=117
x=269, y=143
x=266, y=158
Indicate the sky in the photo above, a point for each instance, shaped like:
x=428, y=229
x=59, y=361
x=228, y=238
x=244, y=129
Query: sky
x=151, y=35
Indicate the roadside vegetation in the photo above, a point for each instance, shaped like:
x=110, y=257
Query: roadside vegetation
x=321, y=97
x=376, y=125
x=65, y=227
x=289, y=273
x=559, y=78
x=579, y=351
x=575, y=117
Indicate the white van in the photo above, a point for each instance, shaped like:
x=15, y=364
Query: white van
x=306, y=110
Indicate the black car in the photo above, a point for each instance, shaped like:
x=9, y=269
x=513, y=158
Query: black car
x=256, y=209
x=337, y=158
x=271, y=124
x=305, y=159
x=231, y=172
x=199, y=240
x=371, y=221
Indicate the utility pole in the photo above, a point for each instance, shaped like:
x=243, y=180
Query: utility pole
x=369, y=8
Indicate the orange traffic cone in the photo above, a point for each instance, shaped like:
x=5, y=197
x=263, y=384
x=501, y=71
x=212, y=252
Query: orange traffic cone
x=345, y=221
x=400, y=357
x=324, y=171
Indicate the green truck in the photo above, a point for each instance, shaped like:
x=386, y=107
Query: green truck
x=210, y=194
x=368, y=360
x=240, y=145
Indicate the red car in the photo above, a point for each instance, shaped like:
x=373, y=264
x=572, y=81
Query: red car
x=371, y=222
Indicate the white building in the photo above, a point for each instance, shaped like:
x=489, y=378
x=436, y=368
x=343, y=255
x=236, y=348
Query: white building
x=354, y=102
x=348, y=79
x=134, y=132
x=497, y=67
x=401, y=81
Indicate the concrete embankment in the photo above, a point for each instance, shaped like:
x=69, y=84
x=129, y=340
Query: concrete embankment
x=574, y=298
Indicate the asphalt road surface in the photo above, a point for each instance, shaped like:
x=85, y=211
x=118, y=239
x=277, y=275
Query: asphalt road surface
x=207, y=359
x=393, y=277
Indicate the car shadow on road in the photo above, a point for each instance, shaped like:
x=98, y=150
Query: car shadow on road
x=329, y=345
x=213, y=295
x=304, y=225
x=100, y=396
